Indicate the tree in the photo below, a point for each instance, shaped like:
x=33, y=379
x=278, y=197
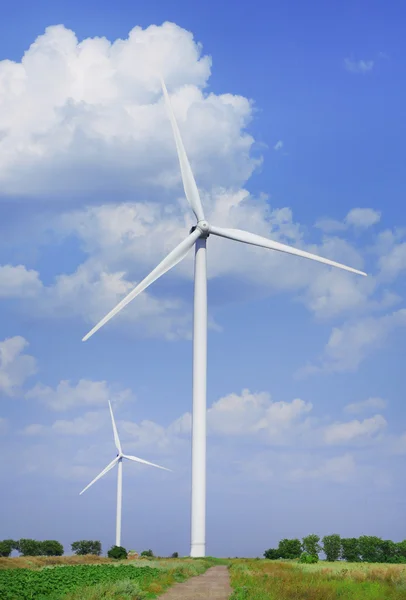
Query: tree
x=370, y=548
x=332, y=546
x=350, y=550
x=401, y=548
x=147, y=553
x=311, y=544
x=87, y=547
x=290, y=548
x=388, y=551
x=50, y=548
x=175, y=555
x=28, y=547
x=118, y=552
x=272, y=554
x=7, y=546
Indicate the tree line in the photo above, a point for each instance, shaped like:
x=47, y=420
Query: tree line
x=28, y=547
x=366, y=548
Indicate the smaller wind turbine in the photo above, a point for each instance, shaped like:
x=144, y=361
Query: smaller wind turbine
x=119, y=461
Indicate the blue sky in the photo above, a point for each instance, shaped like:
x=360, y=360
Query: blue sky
x=293, y=122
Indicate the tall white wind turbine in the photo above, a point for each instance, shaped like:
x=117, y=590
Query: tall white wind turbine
x=197, y=237
x=119, y=462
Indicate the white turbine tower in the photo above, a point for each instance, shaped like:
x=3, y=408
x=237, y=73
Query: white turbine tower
x=197, y=237
x=119, y=461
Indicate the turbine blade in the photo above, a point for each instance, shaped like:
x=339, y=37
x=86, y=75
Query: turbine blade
x=100, y=475
x=116, y=438
x=256, y=240
x=145, y=462
x=170, y=261
x=189, y=183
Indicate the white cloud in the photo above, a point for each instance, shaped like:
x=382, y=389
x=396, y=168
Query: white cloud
x=366, y=405
x=339, y=469
x=358, y=66
x=85, y=393
x=17, y=281
x=360, y=218
x=339, y=433
x=363, y=217
x=81, y=117
x=254, y=413
x=278, y=145
x=350, y=344
x=15, y=366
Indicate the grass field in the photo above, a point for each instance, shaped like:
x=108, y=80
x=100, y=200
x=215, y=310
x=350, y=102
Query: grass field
x=277, y=580
x=94, y=578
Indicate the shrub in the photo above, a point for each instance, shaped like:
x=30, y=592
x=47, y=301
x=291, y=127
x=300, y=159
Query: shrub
x=118, y=552
x=87, y=547
x=308, y=559
x=332, y=546
x=175, y=555
x=147, y=553
x=50, y=548
x=272, y=554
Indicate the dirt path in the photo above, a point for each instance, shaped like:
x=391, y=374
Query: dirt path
x=214, y=585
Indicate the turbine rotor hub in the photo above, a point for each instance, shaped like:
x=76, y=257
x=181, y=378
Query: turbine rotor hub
x=204, y=228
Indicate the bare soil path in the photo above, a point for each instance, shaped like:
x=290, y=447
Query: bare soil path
x=214, y=585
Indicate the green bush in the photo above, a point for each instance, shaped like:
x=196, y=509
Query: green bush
x=308, y=559
x=175, y=555
x=118, y=552
x=272, y=554
x=290, y=548
x=147, y=553
x=86, y=547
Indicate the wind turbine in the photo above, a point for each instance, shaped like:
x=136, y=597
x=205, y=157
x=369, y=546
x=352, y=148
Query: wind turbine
x=197, y=237
x=119, y=461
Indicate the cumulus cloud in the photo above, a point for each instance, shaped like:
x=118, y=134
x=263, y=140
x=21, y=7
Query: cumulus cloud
x=350, y=344
x=358, y=66
x=339, y=433
x=359, y=218
x=18, y=281
x=15, y=366
x=366, y=405
x=66, y=396
x=363, y=217
x=93, y=108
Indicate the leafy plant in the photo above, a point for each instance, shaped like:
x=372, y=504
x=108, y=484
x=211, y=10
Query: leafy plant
x=175, y=555
x=308, y=559
x=147, y=553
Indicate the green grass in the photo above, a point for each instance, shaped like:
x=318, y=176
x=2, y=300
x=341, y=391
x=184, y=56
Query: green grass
x=276, y=580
